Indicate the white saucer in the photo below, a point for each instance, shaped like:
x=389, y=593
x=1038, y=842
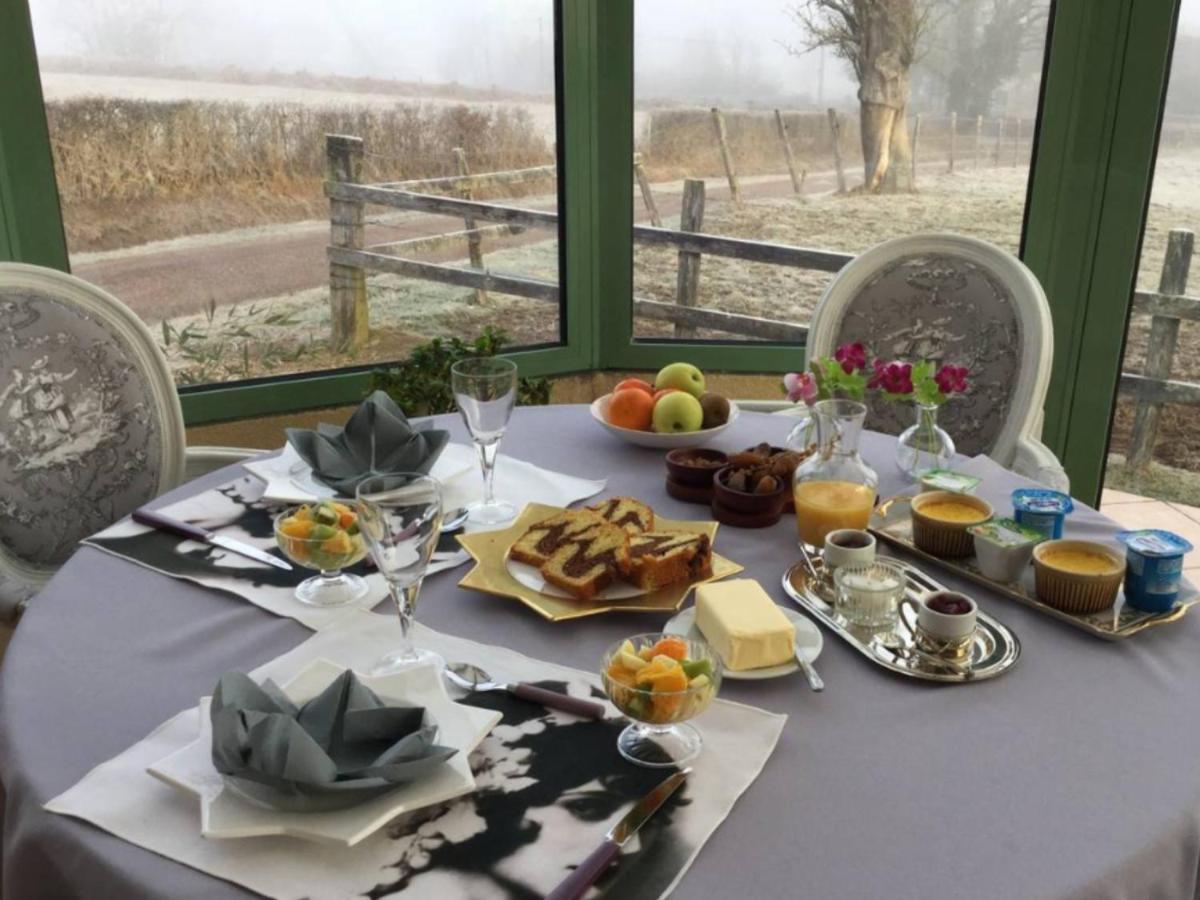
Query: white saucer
x=808, y=641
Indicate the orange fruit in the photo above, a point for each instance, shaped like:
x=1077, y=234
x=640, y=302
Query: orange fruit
x=658, y=395
x=635, y=383
x=671, y=646
x=631, y=408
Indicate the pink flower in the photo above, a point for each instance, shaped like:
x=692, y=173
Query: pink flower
x=853, y=357
x=801, y=386
x=951, y=379
x=892, y=377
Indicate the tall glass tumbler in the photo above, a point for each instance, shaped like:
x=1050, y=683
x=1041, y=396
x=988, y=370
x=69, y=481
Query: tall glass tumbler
x=485, y=389
x=401, y=517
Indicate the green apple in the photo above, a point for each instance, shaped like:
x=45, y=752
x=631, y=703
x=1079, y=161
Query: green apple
x=682, y=376
x=676, y=413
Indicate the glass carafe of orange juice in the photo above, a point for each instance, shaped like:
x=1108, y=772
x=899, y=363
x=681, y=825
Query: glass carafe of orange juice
x=834, y=488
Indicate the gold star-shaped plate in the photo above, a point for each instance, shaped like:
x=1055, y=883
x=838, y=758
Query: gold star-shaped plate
x=490, y=574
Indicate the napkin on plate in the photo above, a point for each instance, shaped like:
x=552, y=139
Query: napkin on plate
x=342, y=747
x=377, y=439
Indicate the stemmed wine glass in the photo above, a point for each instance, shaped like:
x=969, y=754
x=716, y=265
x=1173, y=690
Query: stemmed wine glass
x=400, y=515
x=485, y=389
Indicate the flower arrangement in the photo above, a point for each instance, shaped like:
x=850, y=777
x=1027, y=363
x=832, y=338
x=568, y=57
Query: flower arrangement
x=845, y=374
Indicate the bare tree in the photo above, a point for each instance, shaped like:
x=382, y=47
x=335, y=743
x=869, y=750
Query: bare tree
x=880, y=41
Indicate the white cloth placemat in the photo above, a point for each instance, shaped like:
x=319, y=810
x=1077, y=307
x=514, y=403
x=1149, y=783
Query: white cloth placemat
x=542, y=802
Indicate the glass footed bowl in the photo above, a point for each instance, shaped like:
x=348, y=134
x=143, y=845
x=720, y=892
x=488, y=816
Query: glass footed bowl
x=326, y=547
x=660, y=695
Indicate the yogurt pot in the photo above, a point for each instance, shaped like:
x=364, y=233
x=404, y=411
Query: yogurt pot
x=1153, y=568
x=1004, y=548
x=1041, y=509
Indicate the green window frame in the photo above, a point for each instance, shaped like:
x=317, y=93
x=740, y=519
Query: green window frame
x=1102, y=93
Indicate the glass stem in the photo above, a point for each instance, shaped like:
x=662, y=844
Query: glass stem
x=487, y=462
x=405, y=598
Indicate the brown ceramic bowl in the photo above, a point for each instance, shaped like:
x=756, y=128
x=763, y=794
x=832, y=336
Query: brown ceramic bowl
x=947, y=538
x=694, y=466
x=1071, y=590
x=748, y=502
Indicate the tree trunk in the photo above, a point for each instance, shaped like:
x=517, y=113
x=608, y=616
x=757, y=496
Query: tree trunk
x=885, y=51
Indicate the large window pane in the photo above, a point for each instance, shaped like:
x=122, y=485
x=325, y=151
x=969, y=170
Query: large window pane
x=190, y=150
x=716, y=90
x=1155, y=447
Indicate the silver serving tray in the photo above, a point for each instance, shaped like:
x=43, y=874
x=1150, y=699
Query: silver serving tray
x=892, y=522
x=994, y=649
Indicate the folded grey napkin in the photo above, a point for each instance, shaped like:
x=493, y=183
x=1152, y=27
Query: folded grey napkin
x=343, y=747
x=378, y=439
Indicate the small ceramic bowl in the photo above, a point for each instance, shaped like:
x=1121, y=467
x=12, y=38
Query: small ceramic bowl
x=694, y=466
x=946, y=538
x=1064, y=585
x=746, y=509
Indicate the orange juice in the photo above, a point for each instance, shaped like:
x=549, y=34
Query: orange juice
x=825, y=506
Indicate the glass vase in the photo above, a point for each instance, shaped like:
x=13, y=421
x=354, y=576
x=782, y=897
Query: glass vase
x=834, y=488
x=804, y=434
x=923, y=445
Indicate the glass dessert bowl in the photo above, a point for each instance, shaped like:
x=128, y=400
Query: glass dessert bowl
x=660, y=681
x=323, y=536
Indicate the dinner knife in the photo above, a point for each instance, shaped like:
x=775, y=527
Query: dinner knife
x=196, y=533
x=575, y=885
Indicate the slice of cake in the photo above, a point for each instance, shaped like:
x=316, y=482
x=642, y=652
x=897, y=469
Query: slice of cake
x=632, y=515
x=743, y=624
x=589, y=562
x=540, y=542
x=663, y=557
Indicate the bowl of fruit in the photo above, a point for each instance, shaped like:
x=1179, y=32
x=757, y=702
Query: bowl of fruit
x=675, y=411
x=323, y=536
x=660, y=681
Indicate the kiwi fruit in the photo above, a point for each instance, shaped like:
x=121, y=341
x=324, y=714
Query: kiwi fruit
x=715, y=409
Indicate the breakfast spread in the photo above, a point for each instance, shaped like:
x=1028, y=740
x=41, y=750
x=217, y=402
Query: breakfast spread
x=1042, y=509
x=1154, y=568
x=744, y=625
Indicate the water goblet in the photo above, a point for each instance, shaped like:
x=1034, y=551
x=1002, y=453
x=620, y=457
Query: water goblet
x=485, y=389
x=400, y=515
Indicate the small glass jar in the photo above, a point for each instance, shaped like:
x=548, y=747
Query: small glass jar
x=834, y=489
x=869, y=596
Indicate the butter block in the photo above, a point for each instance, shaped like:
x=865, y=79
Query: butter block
x=743, y=624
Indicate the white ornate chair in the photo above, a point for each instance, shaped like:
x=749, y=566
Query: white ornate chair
x=90, y=424
x=961, y=300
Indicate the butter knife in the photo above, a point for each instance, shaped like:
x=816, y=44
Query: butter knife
x=575, y=885
x=196, y=533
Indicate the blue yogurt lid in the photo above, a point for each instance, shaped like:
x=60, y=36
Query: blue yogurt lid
x=1041, y=500
x=1154, y=542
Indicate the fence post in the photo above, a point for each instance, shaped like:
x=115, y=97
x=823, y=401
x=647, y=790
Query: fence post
x=953, y=138
x=348, y=313
x=978, y=138
x=999, y=139
x=687, y=286
x=726, y=157
x=639, y=173
x=1160, y=348
x=835, y=128
x=474, y=239
x=916, y=134
x=1016, y=157
x=797, y=179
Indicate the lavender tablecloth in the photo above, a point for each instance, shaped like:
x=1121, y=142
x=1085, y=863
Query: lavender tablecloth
x=1074, y=775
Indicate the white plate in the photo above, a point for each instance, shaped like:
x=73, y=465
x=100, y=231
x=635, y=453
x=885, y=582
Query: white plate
x=223, y=814
x=808, y=641
x=654, y=440
x=530, y=577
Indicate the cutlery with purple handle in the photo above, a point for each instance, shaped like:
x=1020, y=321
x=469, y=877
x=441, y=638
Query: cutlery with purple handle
x=473, y=678
x=194, y=532
x=577, y=883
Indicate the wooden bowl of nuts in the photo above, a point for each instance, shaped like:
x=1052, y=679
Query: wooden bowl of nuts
x=748, y=497
x=778, y=461
x=690, y=473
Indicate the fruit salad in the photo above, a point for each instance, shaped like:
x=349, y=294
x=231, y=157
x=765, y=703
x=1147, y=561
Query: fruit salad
x=323, y=536
x=663, y=681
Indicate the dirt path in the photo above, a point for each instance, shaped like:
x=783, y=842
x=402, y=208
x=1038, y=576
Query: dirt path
x=183, y=279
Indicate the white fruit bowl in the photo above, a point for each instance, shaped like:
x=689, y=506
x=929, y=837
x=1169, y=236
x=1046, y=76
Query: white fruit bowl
x=654, y=439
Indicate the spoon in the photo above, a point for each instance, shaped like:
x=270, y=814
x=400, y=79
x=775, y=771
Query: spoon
x=453, y=519
x=473, y=678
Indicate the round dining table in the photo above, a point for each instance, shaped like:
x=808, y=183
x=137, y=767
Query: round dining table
x=1074, y=774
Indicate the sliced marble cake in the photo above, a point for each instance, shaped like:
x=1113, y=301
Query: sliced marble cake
x=659, y=558
x=539, y=543
x=589, y=562
x=632, y=515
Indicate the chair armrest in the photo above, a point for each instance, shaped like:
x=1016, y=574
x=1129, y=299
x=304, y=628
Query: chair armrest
x=202, y=460
x=1036, y=461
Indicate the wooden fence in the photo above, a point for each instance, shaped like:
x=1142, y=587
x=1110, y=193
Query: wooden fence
x=1154, y=387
